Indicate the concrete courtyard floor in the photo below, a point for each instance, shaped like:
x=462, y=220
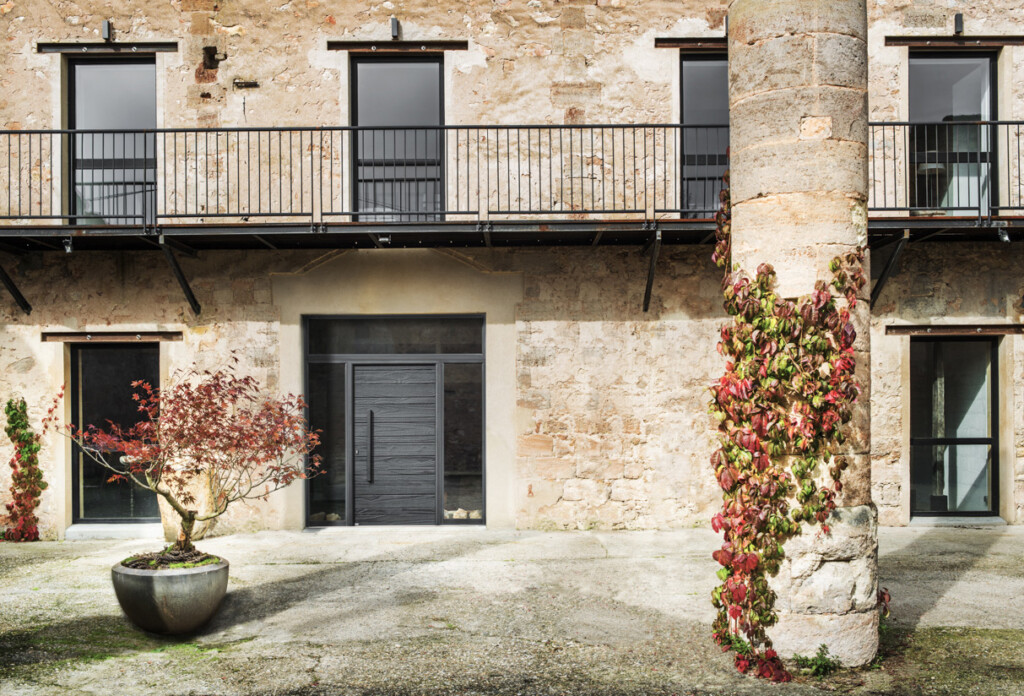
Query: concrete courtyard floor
x=472, y=611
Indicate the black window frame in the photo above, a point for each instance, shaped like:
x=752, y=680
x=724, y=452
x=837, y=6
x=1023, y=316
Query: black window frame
x=438, y=360
x=76, y=483
x=992, y=441
x=992, y=154
x=721, y=159
x=148, y=216
x=354, y=62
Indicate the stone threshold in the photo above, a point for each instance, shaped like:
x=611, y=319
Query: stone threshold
x=87, y=531
x=957, y=522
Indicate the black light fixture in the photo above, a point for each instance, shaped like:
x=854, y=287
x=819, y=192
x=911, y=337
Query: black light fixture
x=107, y=32
x=395, y=29
x=958, y=23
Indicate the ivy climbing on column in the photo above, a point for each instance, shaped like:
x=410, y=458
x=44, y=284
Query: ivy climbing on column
x=27, y=484
x=787, y=392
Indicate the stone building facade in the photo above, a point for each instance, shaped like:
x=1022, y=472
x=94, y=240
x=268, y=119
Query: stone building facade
x=593, y=410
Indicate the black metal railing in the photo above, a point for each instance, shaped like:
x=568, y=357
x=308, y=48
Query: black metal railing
x=181, y=176
x=462, y=173
x=966, y=168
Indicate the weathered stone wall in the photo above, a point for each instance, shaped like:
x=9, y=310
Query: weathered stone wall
x=536, y=62
x=610, y=402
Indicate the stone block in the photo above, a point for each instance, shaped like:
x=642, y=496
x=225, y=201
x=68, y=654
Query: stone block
x=629, y=489
x=585, y=490
x=600, y=469
x=808, y=166
x=840, y=60
x=536, y=445
x=852, y=638
x=830, y=587
x=573, y=18
x=784, y=62
x=553, y=468
x=780, y=115
x=751, y=21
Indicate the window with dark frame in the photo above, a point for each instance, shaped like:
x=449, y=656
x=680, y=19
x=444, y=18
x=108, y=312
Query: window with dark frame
x=101, y=376
x=398, y=106
x=113, y=165
x=954, y=437
x=952, y=147
x=704, y=80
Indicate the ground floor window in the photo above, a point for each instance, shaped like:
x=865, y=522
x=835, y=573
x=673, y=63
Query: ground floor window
x=954, y=442
x=399, y=403
x=101, y=392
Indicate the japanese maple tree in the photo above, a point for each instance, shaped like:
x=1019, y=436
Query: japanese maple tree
x=215, y=428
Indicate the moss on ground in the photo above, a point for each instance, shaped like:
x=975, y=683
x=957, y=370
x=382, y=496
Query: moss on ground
x=94, y=639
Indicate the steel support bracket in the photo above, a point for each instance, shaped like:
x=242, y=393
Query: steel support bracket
x=889, y=267
x=654, y=246
x=179, y=275
x=485, y=228
x=8, y=283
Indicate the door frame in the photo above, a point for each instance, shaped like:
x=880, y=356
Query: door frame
x=992, y=441
x=75, y=399
x=350, y=361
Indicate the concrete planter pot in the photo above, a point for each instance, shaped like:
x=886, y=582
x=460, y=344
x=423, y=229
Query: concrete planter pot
x=170, y=601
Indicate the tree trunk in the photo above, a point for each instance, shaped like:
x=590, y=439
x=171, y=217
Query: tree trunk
x=188, y=522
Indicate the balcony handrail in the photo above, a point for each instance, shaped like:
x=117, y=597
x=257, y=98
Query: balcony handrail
x=463, y=172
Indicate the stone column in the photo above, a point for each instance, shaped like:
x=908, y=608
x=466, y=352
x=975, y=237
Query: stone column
x=798, y=110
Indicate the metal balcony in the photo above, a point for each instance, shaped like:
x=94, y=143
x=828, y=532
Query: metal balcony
x=346, y=186
x=459, y=185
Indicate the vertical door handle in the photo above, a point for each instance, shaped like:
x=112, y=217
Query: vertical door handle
x=369, y=451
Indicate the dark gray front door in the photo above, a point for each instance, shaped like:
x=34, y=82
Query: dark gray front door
x=395, y=432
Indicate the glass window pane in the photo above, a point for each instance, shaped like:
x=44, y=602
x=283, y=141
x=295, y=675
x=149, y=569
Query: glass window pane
x=705, y=135
x=950, y=389
x=398, y=172
x=463, y=441
x=950, y=89
x=950, y=160
x=398, y=93
x=104, y=394
x=395, y=335
x=951, y=478
x=114, y=173
x=327, y=414
x=705, y=86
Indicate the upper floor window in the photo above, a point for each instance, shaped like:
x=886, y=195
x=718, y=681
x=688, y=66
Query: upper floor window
x=951, y=153
x=398, y=106
x=705, y=133
x=114, y=172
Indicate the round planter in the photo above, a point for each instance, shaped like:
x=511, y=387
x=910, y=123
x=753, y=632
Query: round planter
x=170, y=601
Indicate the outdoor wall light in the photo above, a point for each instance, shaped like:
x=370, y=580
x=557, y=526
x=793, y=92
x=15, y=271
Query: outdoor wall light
x=107, y=32
x=1004, y=236
x=958, y=23
x=68, y=246
x=395, y=29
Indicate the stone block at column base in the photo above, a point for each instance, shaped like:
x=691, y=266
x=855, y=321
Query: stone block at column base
x=852, y=638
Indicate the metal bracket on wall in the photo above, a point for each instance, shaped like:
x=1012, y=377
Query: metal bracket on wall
x=15, y=293
x=654, y=246
x=485, y=228
x=179, y=275
x=889, y=267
